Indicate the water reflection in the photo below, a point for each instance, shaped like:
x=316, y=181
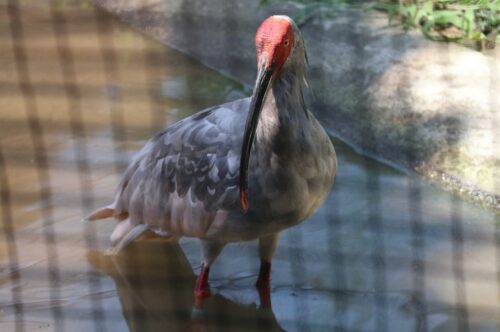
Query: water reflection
x=154, y=281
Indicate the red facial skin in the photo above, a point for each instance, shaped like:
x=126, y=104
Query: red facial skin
x=275, y=39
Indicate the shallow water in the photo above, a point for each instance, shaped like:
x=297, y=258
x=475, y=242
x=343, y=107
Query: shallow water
x=80, y=92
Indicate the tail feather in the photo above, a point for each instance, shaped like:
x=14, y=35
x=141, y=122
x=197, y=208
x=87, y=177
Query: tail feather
x=126, y=232
x=120, y=230
x=106, y=212
x=102, y=213
x=133, y=234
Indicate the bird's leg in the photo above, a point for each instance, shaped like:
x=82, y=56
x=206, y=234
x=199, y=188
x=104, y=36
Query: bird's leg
x=209, y=251
x=267, y=246
x=201, y=287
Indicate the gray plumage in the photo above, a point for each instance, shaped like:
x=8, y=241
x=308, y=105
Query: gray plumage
x=184, y=181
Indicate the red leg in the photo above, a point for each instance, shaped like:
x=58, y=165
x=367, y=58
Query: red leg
x=264, y=284
x=202, y=288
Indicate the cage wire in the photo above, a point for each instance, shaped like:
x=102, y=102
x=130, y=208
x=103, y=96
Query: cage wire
x=339, y=277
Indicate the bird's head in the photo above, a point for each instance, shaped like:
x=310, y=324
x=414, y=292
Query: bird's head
x=278, y=43
x=274, y=41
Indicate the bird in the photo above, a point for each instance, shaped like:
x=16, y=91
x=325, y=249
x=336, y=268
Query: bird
x=241, y=171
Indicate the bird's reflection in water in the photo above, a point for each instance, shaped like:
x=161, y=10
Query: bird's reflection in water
x=154, y=282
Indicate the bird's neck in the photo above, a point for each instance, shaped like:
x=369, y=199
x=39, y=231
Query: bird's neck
x=284, y=111
x=287, y=91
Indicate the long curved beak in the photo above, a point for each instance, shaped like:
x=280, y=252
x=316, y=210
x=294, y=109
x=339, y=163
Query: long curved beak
x=262, y=85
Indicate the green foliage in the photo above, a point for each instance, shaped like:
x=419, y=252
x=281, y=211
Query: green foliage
x=469, y=22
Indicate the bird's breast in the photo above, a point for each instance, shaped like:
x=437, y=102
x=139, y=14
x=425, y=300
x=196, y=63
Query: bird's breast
x=290, y=178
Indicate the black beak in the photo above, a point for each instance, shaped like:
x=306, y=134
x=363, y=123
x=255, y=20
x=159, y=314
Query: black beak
x=262, y=85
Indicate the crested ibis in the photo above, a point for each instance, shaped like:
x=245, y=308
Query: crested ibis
x=240, y=171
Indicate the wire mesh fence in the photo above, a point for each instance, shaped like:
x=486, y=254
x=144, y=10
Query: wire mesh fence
x=81, y=92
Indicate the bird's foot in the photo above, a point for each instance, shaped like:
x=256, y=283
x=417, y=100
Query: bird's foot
x=263, y=284
x=202, y=288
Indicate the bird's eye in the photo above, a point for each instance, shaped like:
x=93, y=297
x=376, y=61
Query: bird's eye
x=286, y=42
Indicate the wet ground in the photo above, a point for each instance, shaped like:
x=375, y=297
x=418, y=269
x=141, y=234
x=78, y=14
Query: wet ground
x=80, y=92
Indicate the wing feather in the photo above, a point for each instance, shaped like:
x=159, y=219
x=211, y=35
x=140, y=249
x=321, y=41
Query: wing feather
x=198, y=155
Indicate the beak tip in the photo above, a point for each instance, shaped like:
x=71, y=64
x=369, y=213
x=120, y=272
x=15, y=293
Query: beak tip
x=244, y=201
